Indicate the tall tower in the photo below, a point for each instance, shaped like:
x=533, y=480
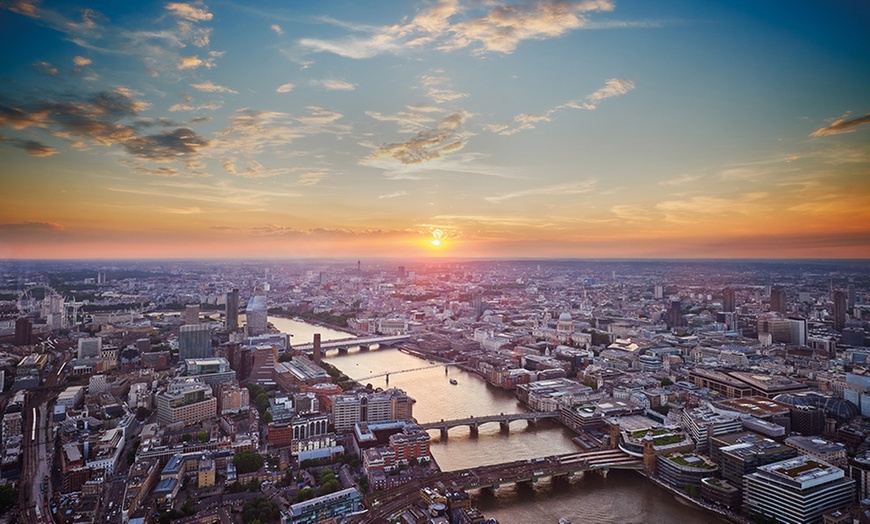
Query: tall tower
x=839, y=310
x=316, y=350
x=778, y=300
x=728, y=303
x=232, y=310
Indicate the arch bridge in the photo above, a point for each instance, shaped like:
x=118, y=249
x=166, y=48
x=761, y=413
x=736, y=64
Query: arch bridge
x=475, y=422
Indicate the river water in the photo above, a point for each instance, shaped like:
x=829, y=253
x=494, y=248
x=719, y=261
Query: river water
x=622, y=497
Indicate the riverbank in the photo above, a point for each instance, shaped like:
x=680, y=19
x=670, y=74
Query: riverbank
x=729, y=516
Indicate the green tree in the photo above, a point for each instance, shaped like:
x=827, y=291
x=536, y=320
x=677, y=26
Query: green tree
x=305, y=494
x=202, y=436
x=667, y=382
x=248, y=461
x=8, y=497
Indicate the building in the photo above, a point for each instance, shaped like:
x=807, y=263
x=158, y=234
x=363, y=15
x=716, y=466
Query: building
x=684, y=471
x=257, y=316
x=739, y=454
x=194, y=341
x=702, y=423
x=839, y=316
x=210, y=370
x=279, y=434
x=334, y=505
x=232, y=310
x=233, y=399
x=23, y=331
x=796, y=491
x=351, y=408
x=191, y=314
x=824, y=450
x=778, y=300
x=299, y=372
x=186, y=401
x=728, y=302
x=89, y=348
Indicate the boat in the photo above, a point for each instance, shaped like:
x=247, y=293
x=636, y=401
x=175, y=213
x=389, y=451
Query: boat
x=453, y=381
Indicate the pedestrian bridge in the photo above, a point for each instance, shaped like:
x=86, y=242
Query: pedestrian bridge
x=344, y=343
x=475, y=422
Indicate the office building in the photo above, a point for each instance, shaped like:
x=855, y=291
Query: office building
x=351, y=408
x=728, y=303
x=334, y=505
x=89, y=348
x=186, y=401
x=232, y=310
x=778, y=300
x=233, y=399
x=23, y=331
x=839, y=317
x=194, y=341
x=739, y=454
x=797, y=491
x=210, y=370
x=257, y=316
x=191, y=314
x=831, y=452
x=702, y=423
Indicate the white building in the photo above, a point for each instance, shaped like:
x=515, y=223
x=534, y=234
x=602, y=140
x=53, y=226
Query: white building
x=798, y=490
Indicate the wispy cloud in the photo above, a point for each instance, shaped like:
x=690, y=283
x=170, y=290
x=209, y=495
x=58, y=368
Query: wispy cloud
x=613, y=87
x=449, y=26
x=394, y=194
x=681, y=180
x=428, y=144
x=285, y=88
x=210, y=87
x=33, y=147
x=81, y=61
x=573, y=188
x=277, y=29
x=843, y=125
x=334, y=85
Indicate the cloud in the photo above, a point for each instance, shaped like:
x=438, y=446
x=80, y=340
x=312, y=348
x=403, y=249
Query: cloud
x=680, y=180
x=29, y=230
x=334, y=85
x=46, y=68
x=312, y=177
x=613, y=87
x=81, y=61
x=841, y=126
x=428, y=144
x=33, y=147
x=163, y=171
x=500, y=29
x=193, y=62
x=186, y=105
x=277, y=29
x=210, y=87
x=169, y=145
x=319, y=116
x=573, y=188
x=188, y=16
x=409, y=121
x=285, y=88
x=439, y=90
x=395, y=194
x=194, y=12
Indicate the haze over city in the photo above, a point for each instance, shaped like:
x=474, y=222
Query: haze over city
x=497, y=129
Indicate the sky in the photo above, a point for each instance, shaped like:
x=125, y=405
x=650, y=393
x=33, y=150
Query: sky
x=440, y=128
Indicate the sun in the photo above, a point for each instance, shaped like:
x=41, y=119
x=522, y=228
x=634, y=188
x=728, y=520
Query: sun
x=435, y=242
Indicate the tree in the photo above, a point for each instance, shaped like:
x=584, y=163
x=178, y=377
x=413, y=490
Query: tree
x=267, y=417
x=248, y=461
x=667, y=382
x=202, y=436
x=8, y=497
x=305, y=494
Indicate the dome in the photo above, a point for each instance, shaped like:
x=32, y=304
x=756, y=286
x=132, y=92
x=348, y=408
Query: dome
x=565, y=317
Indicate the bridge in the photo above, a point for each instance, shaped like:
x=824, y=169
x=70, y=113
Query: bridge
x=388, y=373
x=474, y=422
x=343, y=343
x=385, y=504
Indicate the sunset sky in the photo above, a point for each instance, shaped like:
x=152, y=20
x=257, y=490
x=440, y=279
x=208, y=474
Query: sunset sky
x=597, y=128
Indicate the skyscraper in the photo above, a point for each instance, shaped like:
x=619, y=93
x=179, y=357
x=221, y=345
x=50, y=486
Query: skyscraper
x=728, y=303
x=23, y=331
x=89, y=347
x=191, y=314
x=257, y=316
x=194, y=341
x=232, y=311
x=778, y=300
x=839, y=310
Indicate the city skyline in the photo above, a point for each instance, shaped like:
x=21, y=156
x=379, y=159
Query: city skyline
x=538, y=129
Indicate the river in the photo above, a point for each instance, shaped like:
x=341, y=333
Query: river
x=622, y=497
